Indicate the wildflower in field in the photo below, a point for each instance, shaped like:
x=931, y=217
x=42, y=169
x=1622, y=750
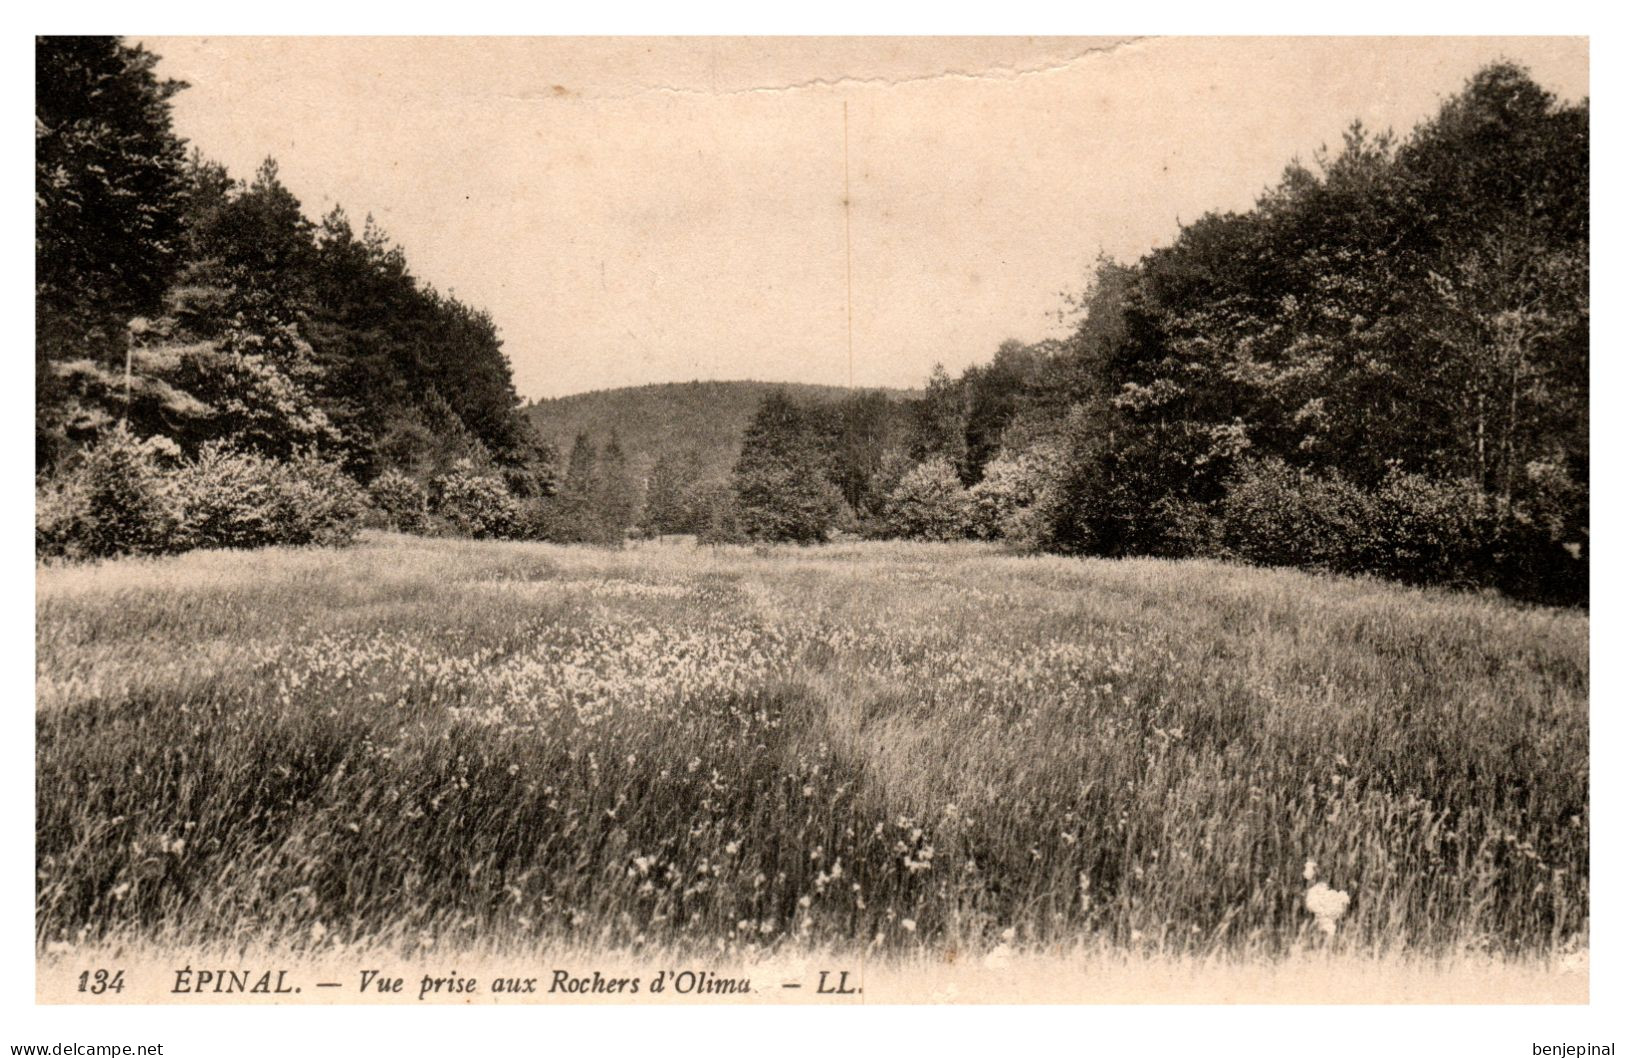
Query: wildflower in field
x=695, y=693
x=1327, y=905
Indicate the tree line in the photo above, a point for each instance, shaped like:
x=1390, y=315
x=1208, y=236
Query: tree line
x=1381, y=367
x=188, y=320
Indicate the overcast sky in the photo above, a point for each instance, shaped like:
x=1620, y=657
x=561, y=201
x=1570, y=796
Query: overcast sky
x=665, y=210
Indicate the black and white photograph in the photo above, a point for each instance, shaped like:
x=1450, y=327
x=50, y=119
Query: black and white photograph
x=812, y=521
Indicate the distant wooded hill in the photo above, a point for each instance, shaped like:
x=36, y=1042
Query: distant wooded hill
x=708, y=417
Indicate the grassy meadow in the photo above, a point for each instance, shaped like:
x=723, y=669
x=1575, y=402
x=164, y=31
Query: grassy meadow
x=904, y=751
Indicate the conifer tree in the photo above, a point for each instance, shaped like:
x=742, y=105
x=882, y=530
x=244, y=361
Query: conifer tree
x=779, y=481
x=573, y=519
x=109, y=191
x=615, y=498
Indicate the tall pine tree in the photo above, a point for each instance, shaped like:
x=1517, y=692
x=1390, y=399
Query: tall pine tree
x=109, y=192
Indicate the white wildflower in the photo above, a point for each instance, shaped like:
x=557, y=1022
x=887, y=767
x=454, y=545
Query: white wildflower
x=1327, y=905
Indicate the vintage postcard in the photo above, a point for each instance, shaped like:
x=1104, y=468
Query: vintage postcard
x=820, y=521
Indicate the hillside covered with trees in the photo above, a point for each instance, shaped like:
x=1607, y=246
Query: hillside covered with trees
x=707, y=418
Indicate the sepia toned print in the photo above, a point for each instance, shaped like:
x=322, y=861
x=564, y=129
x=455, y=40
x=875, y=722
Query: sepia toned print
x=825, y=521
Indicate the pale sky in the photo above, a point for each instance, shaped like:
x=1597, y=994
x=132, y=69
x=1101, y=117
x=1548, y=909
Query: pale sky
x=636, y=211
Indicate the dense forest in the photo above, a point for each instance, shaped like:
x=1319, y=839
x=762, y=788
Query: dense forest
x=213, y=367
x=1382, y=367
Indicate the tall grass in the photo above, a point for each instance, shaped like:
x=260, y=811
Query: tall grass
x=886, y=747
